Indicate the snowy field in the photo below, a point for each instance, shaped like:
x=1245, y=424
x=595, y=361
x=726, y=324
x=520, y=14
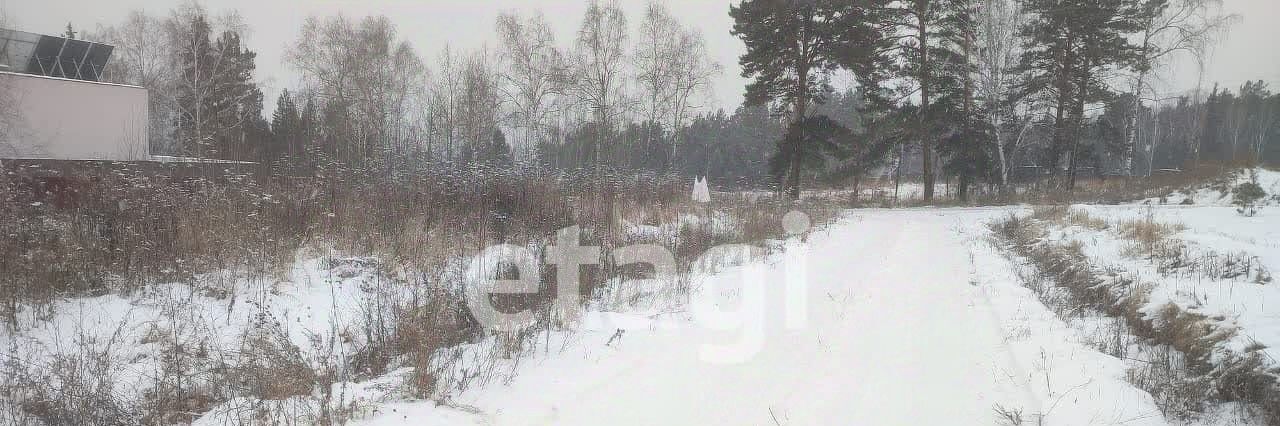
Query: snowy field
x=913, y=318
x=945, y=335
x=885, y=317
x=1230, y=259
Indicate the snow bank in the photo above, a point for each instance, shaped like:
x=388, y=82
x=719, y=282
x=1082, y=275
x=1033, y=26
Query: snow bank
x=1218, y=193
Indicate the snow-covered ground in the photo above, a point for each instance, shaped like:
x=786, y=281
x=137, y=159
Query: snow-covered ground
x=1219, y=193
x=129, y=339
x=912, y=318
x=903, y=316
x=1206, y=231
x=1211, y=232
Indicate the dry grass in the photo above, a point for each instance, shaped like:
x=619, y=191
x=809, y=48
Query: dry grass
x=1157, y=241
x=1148, y=235
x=120, y=232
x=1069, y=216
x=1199, y=370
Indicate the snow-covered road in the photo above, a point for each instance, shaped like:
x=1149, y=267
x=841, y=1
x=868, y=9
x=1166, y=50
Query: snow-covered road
x=910, y=322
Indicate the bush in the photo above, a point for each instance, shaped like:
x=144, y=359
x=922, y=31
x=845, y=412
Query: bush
x=1246, y=197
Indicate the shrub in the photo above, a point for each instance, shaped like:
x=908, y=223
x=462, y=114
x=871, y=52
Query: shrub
x=1246, y=197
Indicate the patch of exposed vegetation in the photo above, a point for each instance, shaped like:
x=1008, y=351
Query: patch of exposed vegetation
x=1198, y=370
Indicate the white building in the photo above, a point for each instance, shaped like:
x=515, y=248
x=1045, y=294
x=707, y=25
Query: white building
x=52, y=106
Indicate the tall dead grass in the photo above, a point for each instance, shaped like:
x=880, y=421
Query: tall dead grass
x=1192, y=369
x=121, y=231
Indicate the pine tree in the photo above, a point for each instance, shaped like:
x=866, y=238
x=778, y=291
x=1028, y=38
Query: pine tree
x=219, y=105
x=966, y=139
x=498, y=153
x=286, y=130
x=308, y=133
x=918, y=21
x=238, y=101
x=1069, y=45
x=792, y=46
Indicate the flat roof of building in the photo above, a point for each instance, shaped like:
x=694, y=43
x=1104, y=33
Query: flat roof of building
x=19, y=74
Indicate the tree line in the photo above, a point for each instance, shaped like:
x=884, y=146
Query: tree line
x=616, y=96
x=981, y=92
x=986, y=91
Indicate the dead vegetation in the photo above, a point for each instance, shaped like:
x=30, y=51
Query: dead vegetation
x=1048, y=191
x=1186, y=364
x=123, y=233
x=1069, y=216
x=1157, y=242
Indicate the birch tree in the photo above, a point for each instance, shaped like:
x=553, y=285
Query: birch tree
x=444, y=104
x=214, y=93
x=692, y=76
x=655, y=61
x=998, y=53
x=532, y=73
x=1169, y=29
x=599, y=64
x=365, y=71
x=672, y=66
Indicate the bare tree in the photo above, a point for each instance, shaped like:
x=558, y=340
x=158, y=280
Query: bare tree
x=532, y=72
x=672, y=66
x=141, y=50
x=143, y=57
x=1171, y=27
x=444, y=102
x=479, y=104
x=365, y=70
x=693, y=74
x=655, y=60
x=599, y=62
x=998, y=55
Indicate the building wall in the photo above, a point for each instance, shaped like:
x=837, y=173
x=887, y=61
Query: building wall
x=62, y=119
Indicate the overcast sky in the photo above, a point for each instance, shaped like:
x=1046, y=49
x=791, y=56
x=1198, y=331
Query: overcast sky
x=1250, y=52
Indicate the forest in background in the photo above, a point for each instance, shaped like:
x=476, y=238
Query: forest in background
x=412, y=164
x=991, y=90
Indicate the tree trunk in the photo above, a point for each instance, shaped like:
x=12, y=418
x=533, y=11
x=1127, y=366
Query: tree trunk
x=801, y=99
x=857, y=182
x=1077, y=124
x=1131, y=127
x=1060, y=126
x=897, y=174
x=1004, y=162
x=926, y=144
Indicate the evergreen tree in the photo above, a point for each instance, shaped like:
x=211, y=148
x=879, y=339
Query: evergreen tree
x=238, y=123
x=219, y=105
x=308, y=133
x=286, y=130
x=926, y=27
x=1070, y=44
x=792, y=46
x=497, y=153
x=966, y=139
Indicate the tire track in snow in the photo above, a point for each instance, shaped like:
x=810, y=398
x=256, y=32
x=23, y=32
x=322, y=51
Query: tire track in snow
x=897, y=335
